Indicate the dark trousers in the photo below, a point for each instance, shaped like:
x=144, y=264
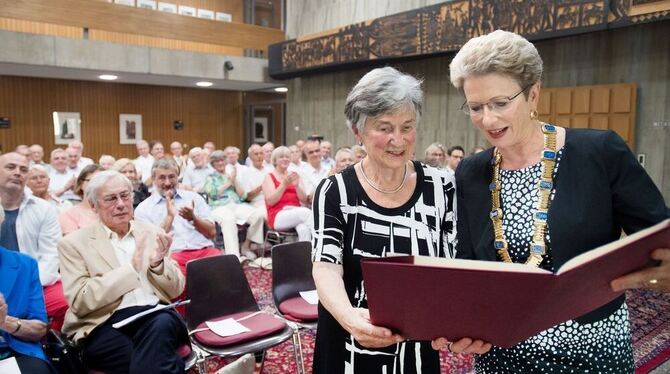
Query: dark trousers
x=33, y=365
x=148, y=345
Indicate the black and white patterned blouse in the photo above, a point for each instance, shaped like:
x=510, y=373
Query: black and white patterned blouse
x=349, y=226
x=601, y=347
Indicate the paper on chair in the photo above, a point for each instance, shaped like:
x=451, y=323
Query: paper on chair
x=310, y=296
x=226, y=327
x=157, y=308
x=9, y=366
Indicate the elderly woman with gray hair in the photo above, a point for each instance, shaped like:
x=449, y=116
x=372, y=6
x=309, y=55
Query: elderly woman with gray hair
x=385, y=205
x=543, y=195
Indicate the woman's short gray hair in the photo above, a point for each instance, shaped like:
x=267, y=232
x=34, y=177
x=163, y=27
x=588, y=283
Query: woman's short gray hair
x=382, y=91
x=278, y=152
x=501, y=52
x=99, y=180
x=217, y=155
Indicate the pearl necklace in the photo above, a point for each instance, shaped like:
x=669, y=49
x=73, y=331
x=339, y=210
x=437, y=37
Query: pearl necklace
x=378, y=189
x=541, y=215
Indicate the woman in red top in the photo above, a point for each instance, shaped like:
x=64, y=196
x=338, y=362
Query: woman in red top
x=283, y=195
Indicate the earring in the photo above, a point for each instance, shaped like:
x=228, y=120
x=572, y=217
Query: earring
x=533, y=114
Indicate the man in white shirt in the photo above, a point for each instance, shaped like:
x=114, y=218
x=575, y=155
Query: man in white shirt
x=327, y=160
x=232, y=161
x=196, y=174
x=144, y=160
x=296, y=159
x=62, y=181
x=312, y=173
x=74, y=165
x=115, y=269
x=31, y=227
x=183, y=213
x=37, y=155
x=455, y=155
x=254, y=175
x=267, y=154
x=176, y=149
x=79, y=147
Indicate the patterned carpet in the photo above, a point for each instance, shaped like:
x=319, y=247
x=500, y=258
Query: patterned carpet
x=649, y=315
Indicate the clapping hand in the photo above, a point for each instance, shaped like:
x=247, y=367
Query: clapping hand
x=3, y=310
x=163, y=243
x=292, y=178
x=366, y=334
x=187, y=212
x=169, y=203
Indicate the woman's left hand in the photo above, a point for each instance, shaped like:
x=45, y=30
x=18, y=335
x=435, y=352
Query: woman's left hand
x=654, y=278
x=464, y=345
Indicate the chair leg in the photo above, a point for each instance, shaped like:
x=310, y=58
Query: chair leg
x=302, y=358
x=201, y=362
x=262, y=362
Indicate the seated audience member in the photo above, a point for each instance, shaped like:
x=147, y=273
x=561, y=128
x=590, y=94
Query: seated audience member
x=176, y=150
x=157, y=150
x=79, y=147
x=22, y=314
x=327, y=160
x=455, y=156
x=112, y=270
x=254, y=175
x=38, y=182
x=126, y=167
x=183, y=213
x=283, y=194
x=82, y=214
x=106, y=162
x=232, y=160
x=73, y=164
x=37, y=155
x=31, y=227
x=313, y=172
x=343, y=159
x=296, y=159
x=267, y=155
x=226, y=197
x=61, y=181
x=209, y=147
x=144, y=160
x=359, y=153
x=477, y=149
x=435, y=156
x=24, y=151
x=195, y=175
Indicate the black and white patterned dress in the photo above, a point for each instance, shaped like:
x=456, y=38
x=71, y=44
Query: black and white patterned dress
x=349, y=226
x=601, y=347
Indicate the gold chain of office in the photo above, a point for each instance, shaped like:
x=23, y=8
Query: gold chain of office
x=541, y=214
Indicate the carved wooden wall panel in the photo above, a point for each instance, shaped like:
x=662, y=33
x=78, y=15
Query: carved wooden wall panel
x=446, y=27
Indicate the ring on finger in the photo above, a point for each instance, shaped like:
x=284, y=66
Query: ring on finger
x=449, y=347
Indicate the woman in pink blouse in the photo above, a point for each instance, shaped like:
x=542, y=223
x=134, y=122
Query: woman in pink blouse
x=80, y=215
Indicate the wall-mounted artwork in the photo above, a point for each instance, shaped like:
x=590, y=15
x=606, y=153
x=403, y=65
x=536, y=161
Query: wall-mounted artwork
x=146, y=4
x=167, y=7
x=206, y=14
x=187, y=11
x=260, y=129
x=67, y=127
x=224, y=17
x=130, y=128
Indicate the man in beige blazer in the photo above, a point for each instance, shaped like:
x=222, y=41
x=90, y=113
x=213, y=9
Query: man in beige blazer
x=114, y=269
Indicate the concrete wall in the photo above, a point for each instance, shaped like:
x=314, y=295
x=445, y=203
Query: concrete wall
x=315, y=102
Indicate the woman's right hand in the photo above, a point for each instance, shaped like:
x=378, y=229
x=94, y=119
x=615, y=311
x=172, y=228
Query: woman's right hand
x=357, y=323
x=463, y=345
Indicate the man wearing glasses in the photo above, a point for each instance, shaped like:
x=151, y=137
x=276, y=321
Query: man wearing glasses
x=115, y=269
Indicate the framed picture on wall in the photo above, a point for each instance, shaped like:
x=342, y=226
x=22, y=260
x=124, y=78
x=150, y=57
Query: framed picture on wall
x=130, y=128
x=67, y=127
x=260, y=129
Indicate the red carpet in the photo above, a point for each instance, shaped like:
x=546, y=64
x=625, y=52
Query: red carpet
x=649, y=315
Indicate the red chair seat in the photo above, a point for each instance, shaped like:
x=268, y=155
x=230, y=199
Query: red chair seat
x=299, y=309
x=262, y=324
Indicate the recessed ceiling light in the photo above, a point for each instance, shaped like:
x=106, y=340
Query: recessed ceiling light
x=204, y=84
x=281, y=89
x=108, y=77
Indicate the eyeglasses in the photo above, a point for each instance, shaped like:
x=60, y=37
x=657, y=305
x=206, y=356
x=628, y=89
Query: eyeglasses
x=497, y=105
x=112, y=199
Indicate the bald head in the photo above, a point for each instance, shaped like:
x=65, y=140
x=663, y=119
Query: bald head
x=13, y=173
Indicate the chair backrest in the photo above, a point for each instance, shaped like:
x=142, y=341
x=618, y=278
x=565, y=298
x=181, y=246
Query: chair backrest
x=216, y=286
x=291, y=270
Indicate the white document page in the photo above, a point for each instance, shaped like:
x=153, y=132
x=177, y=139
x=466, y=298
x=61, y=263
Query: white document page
x=9, y=366
x=226, y=327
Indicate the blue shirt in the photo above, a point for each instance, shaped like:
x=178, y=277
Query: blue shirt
x=8, y=231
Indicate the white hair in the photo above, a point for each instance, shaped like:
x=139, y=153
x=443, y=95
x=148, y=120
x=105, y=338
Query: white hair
x=100, y=179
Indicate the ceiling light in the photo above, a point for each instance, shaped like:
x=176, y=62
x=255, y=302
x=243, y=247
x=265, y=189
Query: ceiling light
x=281, y=89
x=204, y=84
x=108, y=77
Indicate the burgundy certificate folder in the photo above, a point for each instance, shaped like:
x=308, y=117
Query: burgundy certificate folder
x=424, y=298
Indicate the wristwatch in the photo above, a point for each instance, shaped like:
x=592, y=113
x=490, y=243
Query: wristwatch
x=18, y=326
